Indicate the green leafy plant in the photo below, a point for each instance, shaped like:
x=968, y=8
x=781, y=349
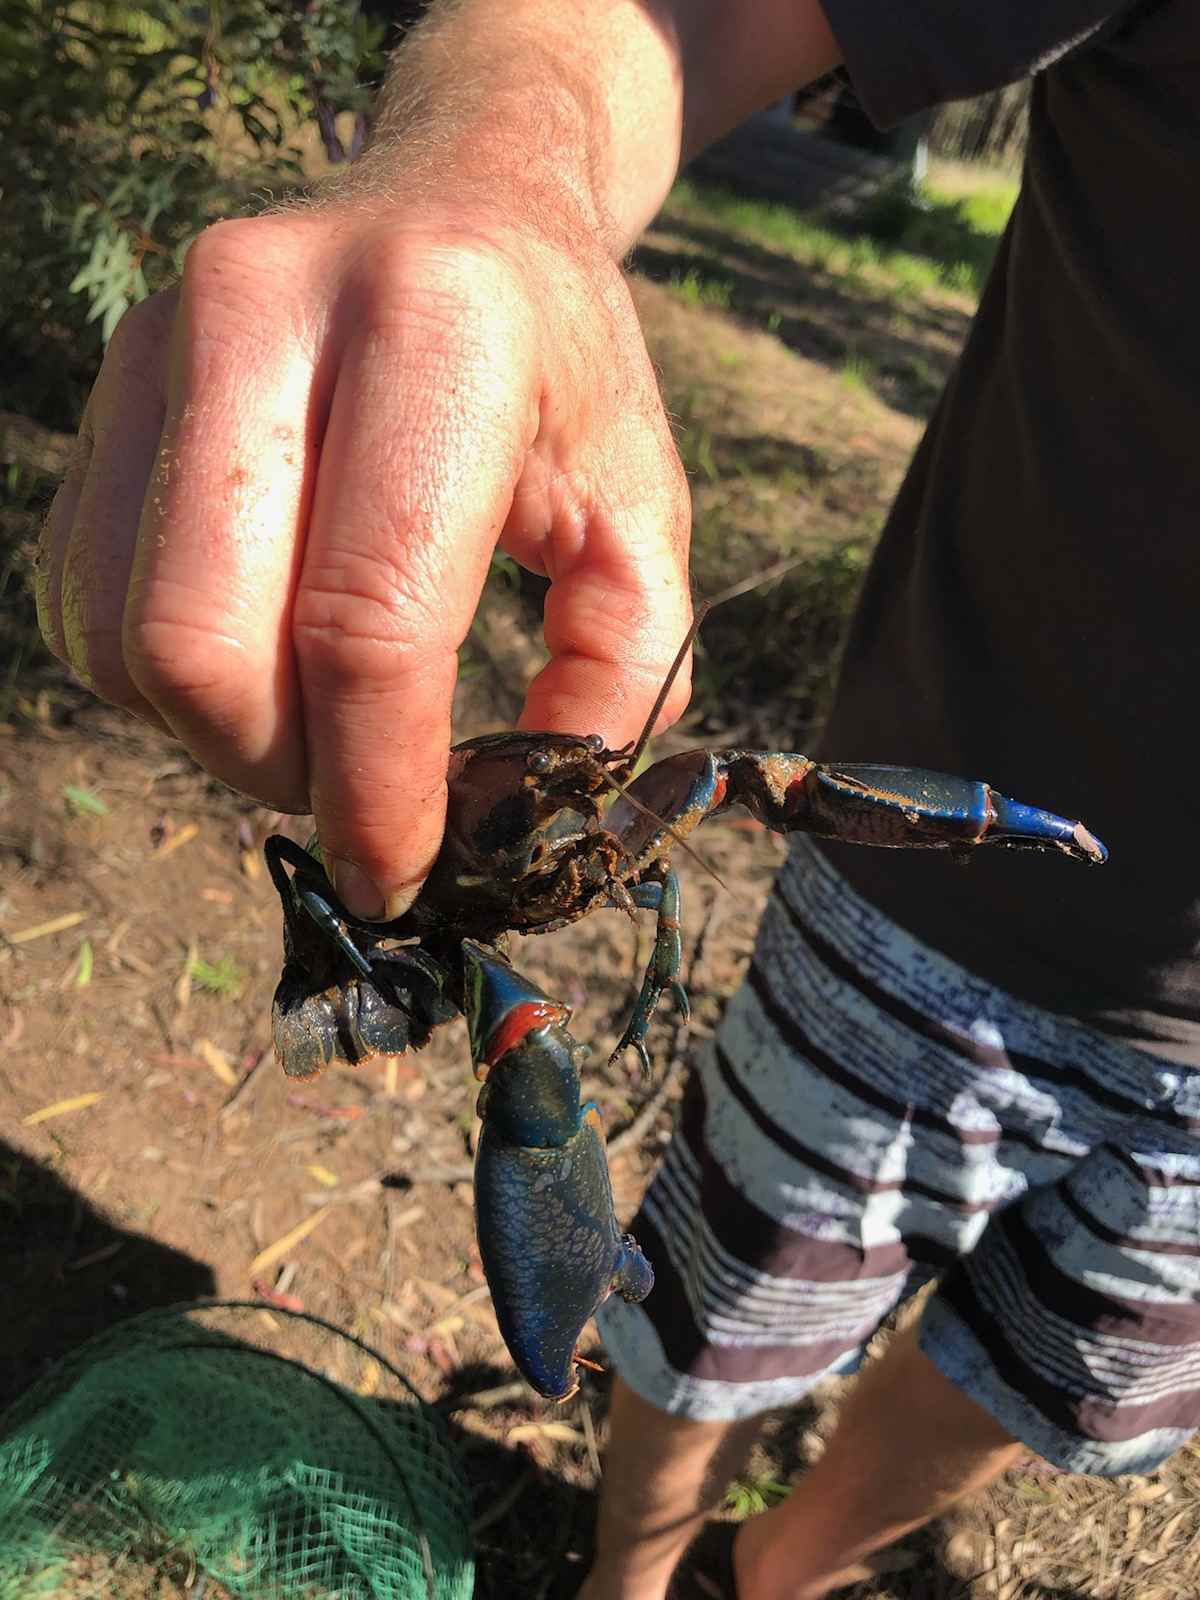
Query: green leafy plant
x=222, y=977
x=84, y=802
x=124, y=130
x=695, y=289
x=747, y=1496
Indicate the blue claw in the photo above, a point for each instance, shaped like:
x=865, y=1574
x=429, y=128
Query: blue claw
x=548, y=1235
x=873, y=804
x=1030, y=825
x=861, y=803
x=551, y=1249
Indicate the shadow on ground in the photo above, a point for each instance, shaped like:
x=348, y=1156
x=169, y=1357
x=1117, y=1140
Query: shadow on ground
x=901, y=350
x=72, y=1273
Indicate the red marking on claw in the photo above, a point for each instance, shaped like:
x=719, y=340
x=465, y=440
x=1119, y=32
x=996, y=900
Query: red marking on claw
x=518, y=1024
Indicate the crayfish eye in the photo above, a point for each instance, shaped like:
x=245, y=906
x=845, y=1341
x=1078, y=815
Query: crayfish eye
x=594, y=742
x=538, y=761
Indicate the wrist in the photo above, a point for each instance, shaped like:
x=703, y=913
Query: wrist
x=565, y=114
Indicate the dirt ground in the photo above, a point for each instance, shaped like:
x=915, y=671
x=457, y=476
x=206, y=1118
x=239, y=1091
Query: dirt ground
x=152, y=1151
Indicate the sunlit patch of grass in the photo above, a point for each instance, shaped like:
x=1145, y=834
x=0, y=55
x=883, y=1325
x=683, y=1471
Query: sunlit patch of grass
x=918, y=276
x=987, y=210
x=223, y=977
x=911, y=241
x=695, y=288
x=748, y=1496
x=857, y=374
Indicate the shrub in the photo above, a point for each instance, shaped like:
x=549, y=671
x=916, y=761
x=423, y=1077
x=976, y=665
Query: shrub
x=124, y=131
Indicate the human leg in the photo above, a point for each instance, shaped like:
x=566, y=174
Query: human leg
x=663, y=1474
x=908, y=1444
x=775, y=1263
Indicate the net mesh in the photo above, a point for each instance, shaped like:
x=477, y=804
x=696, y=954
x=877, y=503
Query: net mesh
x=265, y=1452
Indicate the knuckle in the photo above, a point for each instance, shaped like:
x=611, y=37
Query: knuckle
x=446, y=302
x=233, y=242
x=232, y=271
x=380, y=595
x=183, y=664
x=349, y=633
x=138, y=340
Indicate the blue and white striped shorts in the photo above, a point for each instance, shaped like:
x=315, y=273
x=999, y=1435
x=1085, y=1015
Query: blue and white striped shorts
x=871, y=1115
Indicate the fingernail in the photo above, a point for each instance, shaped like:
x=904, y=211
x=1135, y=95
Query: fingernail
x=364, y=899
x=357, y=893
x=395, y=905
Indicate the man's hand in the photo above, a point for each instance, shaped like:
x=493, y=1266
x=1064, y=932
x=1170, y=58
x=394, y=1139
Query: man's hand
x=294, y=469
x=292, y=474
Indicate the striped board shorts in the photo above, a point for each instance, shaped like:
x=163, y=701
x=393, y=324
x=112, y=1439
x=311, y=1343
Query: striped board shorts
x=871, y=1116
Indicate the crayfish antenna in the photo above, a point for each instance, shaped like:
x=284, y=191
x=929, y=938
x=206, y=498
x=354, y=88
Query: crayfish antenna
x=643, y=739
x=776, y=570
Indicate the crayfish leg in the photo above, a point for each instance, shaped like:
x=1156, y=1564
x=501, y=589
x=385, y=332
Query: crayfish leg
x=661, y=895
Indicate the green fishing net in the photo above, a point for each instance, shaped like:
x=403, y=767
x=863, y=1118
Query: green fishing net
x=230, y=1448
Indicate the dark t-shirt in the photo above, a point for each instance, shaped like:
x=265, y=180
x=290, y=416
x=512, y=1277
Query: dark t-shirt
x=1033, y=614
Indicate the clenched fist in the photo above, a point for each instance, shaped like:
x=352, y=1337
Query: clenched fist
x=292, y=474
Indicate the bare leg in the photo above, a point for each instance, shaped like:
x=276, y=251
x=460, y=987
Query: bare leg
x=908, y=1445
x=662, y=1475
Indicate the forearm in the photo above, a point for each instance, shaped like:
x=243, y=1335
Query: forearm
x=585, y=109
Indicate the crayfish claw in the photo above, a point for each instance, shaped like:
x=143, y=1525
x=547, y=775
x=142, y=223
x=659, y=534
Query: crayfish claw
x=1087, y=842
x=629, y=1041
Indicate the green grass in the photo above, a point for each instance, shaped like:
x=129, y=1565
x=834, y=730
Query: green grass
x=217, y=977
x=857, y=373
x=84, y=802
x=986, y=209
x=913, y=242
x=748, y=1496
x=694, y=288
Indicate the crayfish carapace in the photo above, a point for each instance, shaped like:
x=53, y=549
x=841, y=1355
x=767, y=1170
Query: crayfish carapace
x=541, y=829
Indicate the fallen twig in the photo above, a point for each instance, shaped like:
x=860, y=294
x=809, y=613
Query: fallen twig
x=231, y=1100
x=486, y=1399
